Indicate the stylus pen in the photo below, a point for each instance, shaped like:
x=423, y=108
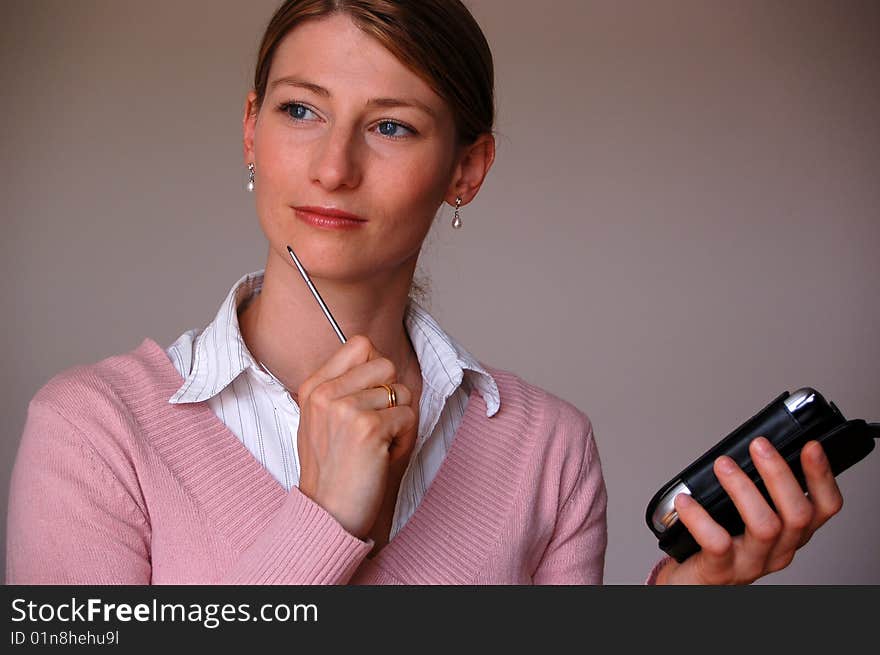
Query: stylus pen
x=317, y=295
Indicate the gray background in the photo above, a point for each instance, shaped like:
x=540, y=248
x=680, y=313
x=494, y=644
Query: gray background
x=682, y=221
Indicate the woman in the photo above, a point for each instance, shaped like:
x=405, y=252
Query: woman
x=259, y=450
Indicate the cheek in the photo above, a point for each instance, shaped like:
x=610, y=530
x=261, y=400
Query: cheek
x=413, y=192
x=281, y=162
x=280, y=176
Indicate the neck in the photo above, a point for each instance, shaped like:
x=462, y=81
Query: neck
x=285, y=329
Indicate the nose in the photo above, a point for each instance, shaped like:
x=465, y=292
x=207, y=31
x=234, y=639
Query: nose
x=335, y=160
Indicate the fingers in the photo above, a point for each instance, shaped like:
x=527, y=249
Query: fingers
x=762, y=525
x=362, y=377
x=824, y=492
x=402, y=420
x=717, y=553
x=377, y=397
x=723, y=559
x=771, y=537
x=357, y=350
x=793, y=508
x=396, y=426
x=390, y=430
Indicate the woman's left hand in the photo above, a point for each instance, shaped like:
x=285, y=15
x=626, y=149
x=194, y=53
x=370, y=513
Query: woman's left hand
x=770, y=538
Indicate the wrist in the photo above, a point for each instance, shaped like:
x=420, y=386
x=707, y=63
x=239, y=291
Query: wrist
x=663, y=575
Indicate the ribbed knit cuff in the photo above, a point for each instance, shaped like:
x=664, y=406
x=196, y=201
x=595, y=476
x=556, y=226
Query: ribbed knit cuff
x=304, y=545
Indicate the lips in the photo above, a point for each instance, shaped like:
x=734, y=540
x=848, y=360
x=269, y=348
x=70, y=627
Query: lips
x=329, y=219
x=330, y=213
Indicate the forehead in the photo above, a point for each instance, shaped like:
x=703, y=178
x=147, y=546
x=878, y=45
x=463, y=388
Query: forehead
x=334, y=53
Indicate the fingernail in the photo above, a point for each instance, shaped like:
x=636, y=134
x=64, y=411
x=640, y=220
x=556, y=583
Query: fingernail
x=763, y=447
x=684, y=499
x=817, y=454
x=725, y=464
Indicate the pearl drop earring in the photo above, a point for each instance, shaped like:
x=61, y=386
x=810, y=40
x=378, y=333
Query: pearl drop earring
x=456, y=221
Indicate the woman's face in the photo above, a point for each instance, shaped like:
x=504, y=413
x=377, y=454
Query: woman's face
x=334, y=132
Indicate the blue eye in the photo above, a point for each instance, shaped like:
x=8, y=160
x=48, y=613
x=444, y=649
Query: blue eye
x=298, y=112
x=295, y=110
x=393, y=126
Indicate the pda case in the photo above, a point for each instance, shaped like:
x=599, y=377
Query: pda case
x=789, y=422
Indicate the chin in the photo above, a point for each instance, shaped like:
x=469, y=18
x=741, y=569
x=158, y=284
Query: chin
x=337, y=264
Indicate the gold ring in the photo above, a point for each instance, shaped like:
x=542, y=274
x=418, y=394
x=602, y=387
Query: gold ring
x=392, y=396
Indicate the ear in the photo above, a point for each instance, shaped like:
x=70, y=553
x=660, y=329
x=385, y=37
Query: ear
x=249, y=126
x=474, y=162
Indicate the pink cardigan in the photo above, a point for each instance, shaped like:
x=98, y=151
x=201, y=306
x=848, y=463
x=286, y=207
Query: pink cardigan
x=114, y=485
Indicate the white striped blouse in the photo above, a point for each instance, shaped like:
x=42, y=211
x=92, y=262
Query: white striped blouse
x=218, y=368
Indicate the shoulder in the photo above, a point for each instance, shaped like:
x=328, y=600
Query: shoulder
x=560, y=430
x=538, y=404
x=554, y=438
x=82, y=445
x=78, y=387
x=103, y=400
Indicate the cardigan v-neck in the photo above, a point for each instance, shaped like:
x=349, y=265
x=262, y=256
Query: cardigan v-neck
x=164, y=493
x=237, y=469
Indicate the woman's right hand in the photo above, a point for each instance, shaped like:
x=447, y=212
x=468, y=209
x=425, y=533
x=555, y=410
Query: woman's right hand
x=348, y=437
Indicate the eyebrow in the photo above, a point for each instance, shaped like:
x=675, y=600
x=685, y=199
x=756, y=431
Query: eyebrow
x=374, y=102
